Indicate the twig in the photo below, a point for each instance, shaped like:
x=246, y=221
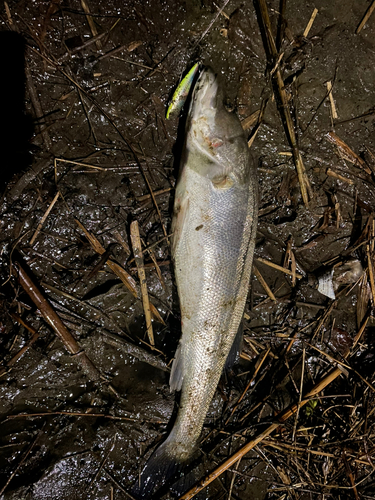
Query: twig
x=138, y=256
x=259, y=122
x=283, y=417
x=37, y=106
x=5, y=369
x=222, y=12
x=332, y=101
x=22, y=461
x=332, y=173
x=53, y=7
x=9, y=16
x=233, y=478
x=128, y=47
x=153, y=199
x=102, y=463
x=293, y=265
x=258, y=367
x=151, y=265
x=91, y=23
x=87, y=43
x=117, y=269
x=343, y=365
x=102, y=261
x=58, y=67
x=300, y=395
x=135, y=351
x=157, y=268
x=125, y=277
x=145, y=197
x=69, y=414
x=210, y=25
x=323, y=318
x=370, y=273
x=294, y=449
x=84, y=304
x=349, y=474
x=281, y=25
x=253, y=136
x=118, y=485
x=157, y=70
x=80, y=164
x=55, y=322
x=310, y=23
x=347, y=152
x=276, y=66
x=248, y=122
x=290, y=259
x=366, y=17
x=284, y=108
x=31, y=87
x=122, y=242
x=263, y=283
x=279, y=268
x=43, y=219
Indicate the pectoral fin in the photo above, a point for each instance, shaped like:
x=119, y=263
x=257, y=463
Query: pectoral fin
x=180, y=218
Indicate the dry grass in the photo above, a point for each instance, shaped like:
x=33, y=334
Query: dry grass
x=300, y=410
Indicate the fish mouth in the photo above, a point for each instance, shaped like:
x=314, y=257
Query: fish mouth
x=204, y=101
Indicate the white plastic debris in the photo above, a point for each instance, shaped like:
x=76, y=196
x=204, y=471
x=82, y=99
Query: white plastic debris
x=325, y=284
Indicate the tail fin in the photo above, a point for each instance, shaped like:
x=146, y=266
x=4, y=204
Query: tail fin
x=160, y=467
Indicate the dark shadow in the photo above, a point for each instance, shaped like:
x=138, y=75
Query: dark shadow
x=17, y=127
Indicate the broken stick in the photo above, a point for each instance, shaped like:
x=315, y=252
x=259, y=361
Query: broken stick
x=138, y=257
x=52, y=318
x=283, y=102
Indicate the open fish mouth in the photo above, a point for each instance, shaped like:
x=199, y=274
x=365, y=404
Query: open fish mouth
x=205, y=95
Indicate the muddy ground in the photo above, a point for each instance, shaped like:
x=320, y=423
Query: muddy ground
x=86, y=122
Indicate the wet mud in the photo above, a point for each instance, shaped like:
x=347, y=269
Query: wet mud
x=84, y=95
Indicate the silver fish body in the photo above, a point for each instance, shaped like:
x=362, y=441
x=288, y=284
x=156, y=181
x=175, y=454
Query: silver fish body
x=214, y=228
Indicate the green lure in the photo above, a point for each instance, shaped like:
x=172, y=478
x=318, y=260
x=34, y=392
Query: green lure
x=181, y=92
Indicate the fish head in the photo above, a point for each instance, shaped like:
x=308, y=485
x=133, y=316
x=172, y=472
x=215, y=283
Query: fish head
x=215, y=139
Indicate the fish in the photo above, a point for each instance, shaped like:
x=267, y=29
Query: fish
x=213, y=237
x=181, y=93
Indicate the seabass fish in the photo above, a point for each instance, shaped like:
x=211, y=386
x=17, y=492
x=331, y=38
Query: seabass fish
x=214, y=228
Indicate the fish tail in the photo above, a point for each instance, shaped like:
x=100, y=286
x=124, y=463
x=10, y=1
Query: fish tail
x=160, y=467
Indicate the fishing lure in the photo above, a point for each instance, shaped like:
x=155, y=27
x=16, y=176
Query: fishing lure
x=181, y=92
